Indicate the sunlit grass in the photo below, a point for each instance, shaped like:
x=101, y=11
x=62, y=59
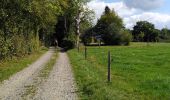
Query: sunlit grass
x=139, y=71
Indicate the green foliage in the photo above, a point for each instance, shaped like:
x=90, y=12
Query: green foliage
x=165, y=35
x=66, y=26
x=28, y=24
x=110, y=27
x=145, y=31
x=87, y=36
x=126, y=37
x=5, y=45
x=141, y=36
x=25, y=22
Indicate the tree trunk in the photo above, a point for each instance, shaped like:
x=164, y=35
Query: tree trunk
x=36, y=30
x=78, y=29
x=78, y=40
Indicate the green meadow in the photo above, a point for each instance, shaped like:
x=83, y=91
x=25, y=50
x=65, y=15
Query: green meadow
x=138, y=72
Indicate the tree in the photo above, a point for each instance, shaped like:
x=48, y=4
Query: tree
x=165, y=33
x=87, y=36
x=25, y=25
x=25, y=22
x=110, y=27
x=145, y=31
x=74, y=22
x=141, y=36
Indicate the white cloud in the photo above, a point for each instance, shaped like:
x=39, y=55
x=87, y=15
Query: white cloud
x=159, y=20
x=144, y=4
x=131, y=15
x=98, y=6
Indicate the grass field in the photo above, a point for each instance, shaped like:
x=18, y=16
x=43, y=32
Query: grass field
x=10, y=67
x=138, y=72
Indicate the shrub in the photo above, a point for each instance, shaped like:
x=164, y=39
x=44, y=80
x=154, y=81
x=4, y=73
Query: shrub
x=86, y=37
x=67, y=44
x=126, y=37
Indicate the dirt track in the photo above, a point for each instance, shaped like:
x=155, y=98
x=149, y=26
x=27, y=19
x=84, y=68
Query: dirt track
x=58, y=86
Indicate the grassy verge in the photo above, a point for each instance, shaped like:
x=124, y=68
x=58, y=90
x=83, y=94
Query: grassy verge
x=138, y=72
x=10, y=67
x=42, y=76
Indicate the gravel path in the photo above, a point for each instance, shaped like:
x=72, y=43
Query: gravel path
x=14, y=88
x=60, y=84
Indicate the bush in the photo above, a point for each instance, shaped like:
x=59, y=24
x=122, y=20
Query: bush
x=126, y=37
x=119, y=38
x=5, y=48
x=86, y=38
x=67, y=44
x=16, y=45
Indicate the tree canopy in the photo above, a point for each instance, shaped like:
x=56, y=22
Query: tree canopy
x=110, y=27
x=28, y=24
x=145, y=31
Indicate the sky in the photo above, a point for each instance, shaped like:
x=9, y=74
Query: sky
x=131, y=11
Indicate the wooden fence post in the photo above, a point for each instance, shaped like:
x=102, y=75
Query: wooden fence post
x=85, y=52
x=99, y=43
x=109, y=67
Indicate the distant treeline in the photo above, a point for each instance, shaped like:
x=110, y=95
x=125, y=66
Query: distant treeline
x=145, y=31
x=111, y=31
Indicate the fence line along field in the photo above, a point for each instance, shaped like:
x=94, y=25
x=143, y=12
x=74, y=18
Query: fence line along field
x=139, y=71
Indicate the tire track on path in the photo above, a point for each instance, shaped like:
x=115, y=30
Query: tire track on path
x=60, y=84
